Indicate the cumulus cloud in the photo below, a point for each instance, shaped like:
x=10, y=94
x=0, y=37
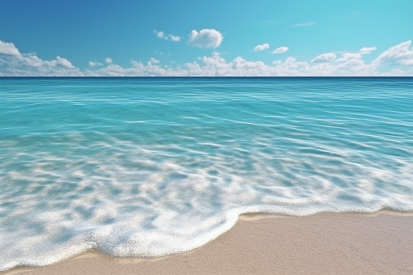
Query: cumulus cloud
x=348, y=56
x=346, y=64
x=280, y=50
x=162, y=35
x=367, y=50
x=64, y=62
x=159, y=34
x=206, y=38
x=397, y=72
x=261, y=47
x=174, y=38
x=326, y=57
x=400, y=54
x=154, y=61
x=8, y=48
x=13, y=63
x=93, y=64
x=216, y=65
x=108, y=60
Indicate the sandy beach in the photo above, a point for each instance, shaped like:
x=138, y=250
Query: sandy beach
x=324, y=243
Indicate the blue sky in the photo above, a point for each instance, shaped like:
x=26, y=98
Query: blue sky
x=313, y=37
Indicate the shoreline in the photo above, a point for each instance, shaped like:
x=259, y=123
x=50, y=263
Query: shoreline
x=339, y=243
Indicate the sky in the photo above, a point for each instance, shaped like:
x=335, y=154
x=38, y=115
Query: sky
x=206, y=38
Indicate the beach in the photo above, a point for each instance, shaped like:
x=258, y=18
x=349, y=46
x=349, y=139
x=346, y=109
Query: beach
x=206, y=137
x=163, y=169
x=324, y=243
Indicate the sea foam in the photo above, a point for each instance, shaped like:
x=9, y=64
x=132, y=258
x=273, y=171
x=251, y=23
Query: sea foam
x=151, y=167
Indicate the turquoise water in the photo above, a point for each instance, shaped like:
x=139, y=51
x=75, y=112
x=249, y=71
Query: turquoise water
x=155, y=166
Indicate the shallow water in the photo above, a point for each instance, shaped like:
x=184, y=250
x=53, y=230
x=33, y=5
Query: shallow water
x=154, y=166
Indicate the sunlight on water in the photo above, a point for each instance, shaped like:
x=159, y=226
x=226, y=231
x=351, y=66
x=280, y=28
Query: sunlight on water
x=150, y=167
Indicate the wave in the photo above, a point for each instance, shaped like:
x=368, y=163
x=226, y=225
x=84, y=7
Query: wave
x=164, y=169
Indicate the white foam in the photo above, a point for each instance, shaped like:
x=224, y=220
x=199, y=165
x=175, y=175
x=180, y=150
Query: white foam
x=130, y=212
x=129, y=178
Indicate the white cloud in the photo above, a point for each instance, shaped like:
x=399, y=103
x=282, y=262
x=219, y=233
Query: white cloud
x=326, y=57
x=8, y=48
x=174, y=38
x=108, y=60
x=367, y=50
x=154, y=61
x=64, y=62
x=348, y=56
x=280, y=50
x=290, y=60
x=206, y=38
x=216, y=65
x=162, y=35
x=13, y=63
x=93, y=64
x=261, y=47
x=303, y=24
x=346, y=64
x=397, y=72
x=159, y=34
x=400, y=54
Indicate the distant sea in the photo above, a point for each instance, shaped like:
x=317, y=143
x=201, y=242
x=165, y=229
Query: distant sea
x=154, y=166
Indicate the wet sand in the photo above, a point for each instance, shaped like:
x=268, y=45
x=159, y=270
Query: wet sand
x=324, y=243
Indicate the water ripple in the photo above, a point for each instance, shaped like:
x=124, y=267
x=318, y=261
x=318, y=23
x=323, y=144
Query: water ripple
x=150, y=167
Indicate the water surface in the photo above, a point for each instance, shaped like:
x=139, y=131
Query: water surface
x=154, y=166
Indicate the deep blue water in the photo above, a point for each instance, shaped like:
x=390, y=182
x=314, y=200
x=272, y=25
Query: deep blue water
x=154, y=166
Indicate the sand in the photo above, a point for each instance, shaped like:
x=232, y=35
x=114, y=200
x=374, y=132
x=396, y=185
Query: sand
x=324, y=243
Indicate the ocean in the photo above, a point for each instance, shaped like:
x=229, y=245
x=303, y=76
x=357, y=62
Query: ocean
x=149, y=167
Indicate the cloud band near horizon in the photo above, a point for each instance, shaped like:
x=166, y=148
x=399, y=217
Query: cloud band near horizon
x=397, y=60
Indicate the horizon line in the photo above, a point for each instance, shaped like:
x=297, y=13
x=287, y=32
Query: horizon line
x=5, y=77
